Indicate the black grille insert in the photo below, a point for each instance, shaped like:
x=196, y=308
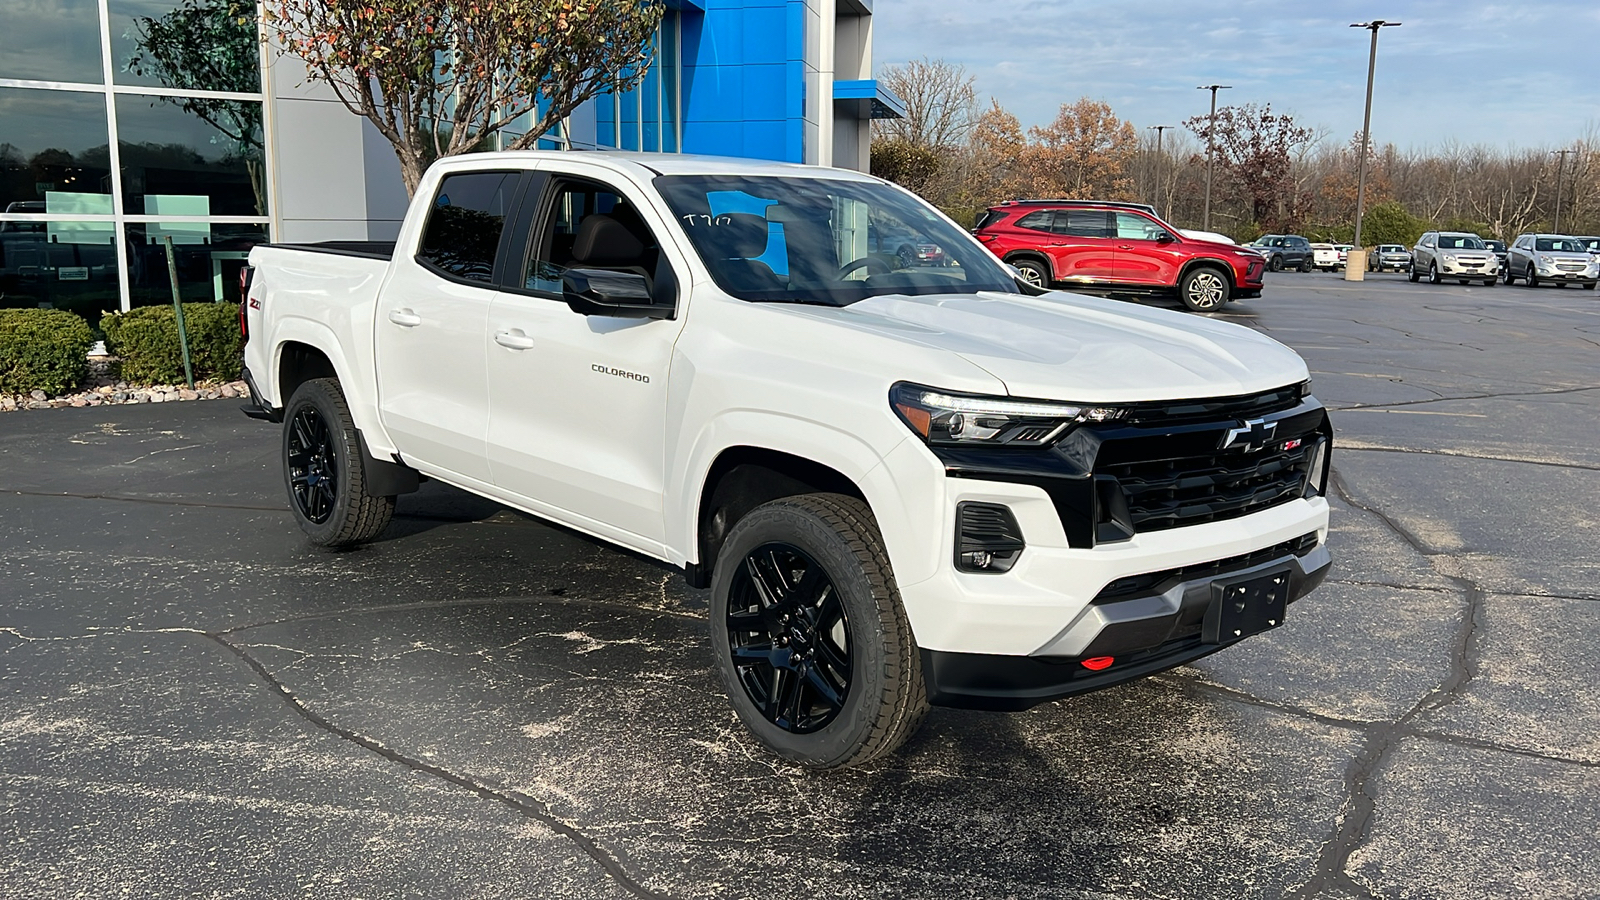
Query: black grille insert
x=1224, y=484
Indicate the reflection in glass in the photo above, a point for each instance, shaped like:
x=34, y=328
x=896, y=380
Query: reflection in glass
x=187, y=45
x=59, y=265
x=50, y=40
x=209, y=257
x=52, y=141
x=186, y=156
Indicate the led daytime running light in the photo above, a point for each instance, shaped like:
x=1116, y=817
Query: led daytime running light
x=997, y=407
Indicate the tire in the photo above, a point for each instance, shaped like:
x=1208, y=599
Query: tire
x=1411, y=273
x=905, y=257
x=1204, y=289
x=1464, y=280
x=1033, y=271
x=1589, y=286
x=1510, y=278
x=1433, y=274
x=1531, y=276
x=1306, y=264
x=1275, y=264
x=1489, y=282
x=813, y=569
x=322, y=469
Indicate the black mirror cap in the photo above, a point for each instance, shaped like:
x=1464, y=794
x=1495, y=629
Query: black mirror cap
x=1164, y=238
x=625, y=295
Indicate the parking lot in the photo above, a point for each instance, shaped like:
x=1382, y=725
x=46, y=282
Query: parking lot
x=196, y=703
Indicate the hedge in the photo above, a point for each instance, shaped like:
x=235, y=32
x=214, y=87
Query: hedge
x=147, y=341
x=43, y=350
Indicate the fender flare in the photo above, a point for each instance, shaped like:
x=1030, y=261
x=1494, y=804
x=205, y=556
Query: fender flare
x=319, y=337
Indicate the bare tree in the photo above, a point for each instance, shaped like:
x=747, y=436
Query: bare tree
x=941, y=105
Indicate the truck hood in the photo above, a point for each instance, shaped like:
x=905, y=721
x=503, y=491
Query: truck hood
x=1064, y=346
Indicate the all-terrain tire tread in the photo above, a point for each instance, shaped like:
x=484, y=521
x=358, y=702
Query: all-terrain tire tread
x=364, y=517
x=903, y=709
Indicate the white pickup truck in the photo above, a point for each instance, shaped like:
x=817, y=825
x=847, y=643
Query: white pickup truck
x=904, y=486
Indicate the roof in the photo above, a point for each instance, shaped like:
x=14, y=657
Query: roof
x=660, y=163
x=1111, y=204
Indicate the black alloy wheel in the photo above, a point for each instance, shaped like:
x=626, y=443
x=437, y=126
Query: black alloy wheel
x=789, y=638
x=1307, y=264
x=324, y=469
x=907, y=258
x=809, y=636
x=313, y=463
x=1276, y=263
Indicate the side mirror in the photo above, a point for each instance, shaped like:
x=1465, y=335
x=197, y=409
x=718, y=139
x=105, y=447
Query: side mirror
x=601, y=292
x=1164, y=238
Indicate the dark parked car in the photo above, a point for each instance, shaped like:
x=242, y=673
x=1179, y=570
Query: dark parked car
x=1499, y=250
x=1284, y=251
x=1117, y=248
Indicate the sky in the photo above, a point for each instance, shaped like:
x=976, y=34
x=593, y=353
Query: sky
x=1500, y=74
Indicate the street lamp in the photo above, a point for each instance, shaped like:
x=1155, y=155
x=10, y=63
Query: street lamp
x=1211, y=144
x=1366, y=121
x=1561, y=172
x=1158, y=130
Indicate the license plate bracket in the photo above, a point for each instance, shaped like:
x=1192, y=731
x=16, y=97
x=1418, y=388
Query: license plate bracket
x=1241, y=607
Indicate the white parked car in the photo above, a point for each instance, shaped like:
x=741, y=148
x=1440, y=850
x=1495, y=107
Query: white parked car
x=903, y=486
x=1325, y=257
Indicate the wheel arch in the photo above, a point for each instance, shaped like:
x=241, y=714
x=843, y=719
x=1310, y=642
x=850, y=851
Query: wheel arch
x=1036, y=256
x=304, y=349
x=1209, y=262
x=741, y=478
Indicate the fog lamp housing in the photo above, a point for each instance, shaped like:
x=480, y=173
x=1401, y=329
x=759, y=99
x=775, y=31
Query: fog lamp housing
x=988, y=538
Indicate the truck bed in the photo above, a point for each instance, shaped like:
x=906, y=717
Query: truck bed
x=383, y=250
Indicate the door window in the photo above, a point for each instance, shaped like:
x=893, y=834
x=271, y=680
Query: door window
x=1084, y=223
x=462, y=236
x=587, y=225
x=1138, y=228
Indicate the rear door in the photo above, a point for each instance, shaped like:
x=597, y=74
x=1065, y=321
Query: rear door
x=431, y=326
x=1085, y=246
x=577, y=404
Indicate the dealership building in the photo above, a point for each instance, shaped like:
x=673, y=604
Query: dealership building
x=127, y=122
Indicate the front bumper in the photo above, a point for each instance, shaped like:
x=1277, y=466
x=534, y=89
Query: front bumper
x=1588, y=277
x=1141, y=634
x=1457, y=270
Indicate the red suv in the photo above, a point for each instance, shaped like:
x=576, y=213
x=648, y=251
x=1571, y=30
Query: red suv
x=1117, y=248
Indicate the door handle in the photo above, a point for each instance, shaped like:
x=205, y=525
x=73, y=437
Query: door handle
x=404, y=317
x=1124, y=246
x=514, y=339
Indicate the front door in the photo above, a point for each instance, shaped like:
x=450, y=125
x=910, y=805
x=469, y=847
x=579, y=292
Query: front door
x=430, y=328
x=1143, y=258
x=577, y=404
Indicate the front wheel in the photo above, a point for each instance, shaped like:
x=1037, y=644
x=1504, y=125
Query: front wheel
x=323, y=471
x=1589, y=286
x=1510, y=278
x=1533, y=279
x=1433, y=274
x=1412, y=273
x=809, y=634
x=1306, y=265
x=1204, y=290
x=1488, y=282
x=1275, y=264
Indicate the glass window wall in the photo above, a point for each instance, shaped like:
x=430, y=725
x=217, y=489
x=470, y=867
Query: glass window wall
x=186, y=45
x=50, y=40
x=54, y=152
x=68, y=265
x=191, y=156
x=208, y=257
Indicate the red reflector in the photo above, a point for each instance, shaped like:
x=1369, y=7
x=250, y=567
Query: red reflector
x=1290, y=445
x=1096, y=663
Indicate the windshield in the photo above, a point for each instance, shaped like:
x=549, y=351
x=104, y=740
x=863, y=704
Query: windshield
x=1593, y=243
x=1496, y=246
x=1460, y=242
x=824, y=240
x=1558, y=245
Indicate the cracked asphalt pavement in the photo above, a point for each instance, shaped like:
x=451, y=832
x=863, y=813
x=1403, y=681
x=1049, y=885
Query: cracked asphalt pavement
x=196, y=703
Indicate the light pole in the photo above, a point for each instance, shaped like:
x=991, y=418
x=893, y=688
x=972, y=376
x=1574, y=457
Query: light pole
x=1561, y=172
x=1158, y=130
x=1211, y=145
x=1366, y=122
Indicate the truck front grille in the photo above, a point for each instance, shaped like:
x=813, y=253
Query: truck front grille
x=1190, y=490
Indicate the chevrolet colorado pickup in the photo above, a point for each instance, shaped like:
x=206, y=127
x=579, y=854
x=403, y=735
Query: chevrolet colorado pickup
x=903, y=485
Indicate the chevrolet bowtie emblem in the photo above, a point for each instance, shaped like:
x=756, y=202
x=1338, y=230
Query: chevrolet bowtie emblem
x=1251, y=436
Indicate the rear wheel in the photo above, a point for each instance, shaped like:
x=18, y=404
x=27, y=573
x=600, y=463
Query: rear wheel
x=322, y=468
x=810, y=638
x=1033, y=271
x=1204, y=289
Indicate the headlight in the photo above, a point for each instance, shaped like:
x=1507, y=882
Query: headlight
x=941, y=417
x=1449, y=257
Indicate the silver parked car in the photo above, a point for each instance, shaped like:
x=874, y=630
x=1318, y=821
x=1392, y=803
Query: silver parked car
x=1555, y=258
x=1389, y=258
x=1453, y=254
